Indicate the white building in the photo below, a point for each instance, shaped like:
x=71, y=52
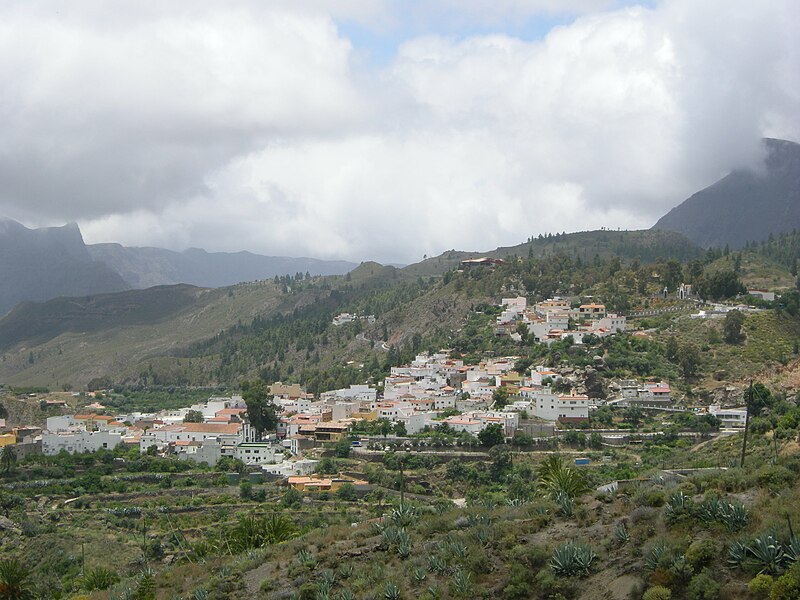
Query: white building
x=552, y=407
x=730, y=418
x=79, y=441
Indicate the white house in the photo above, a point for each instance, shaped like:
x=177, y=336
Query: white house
x=79, y=441
x=552, y=407
x=730, y=418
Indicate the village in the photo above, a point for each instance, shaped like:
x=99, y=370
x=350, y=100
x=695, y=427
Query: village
x=436, y=392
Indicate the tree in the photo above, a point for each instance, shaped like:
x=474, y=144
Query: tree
x=193, y=416
x=261, y=412
x=500, y=397
x=759, y=399
x=688, y=359
x=492, y=435
x=347, y=492
x=732, y=327
x=15, y=581
x=342, y=448
x=8, y=458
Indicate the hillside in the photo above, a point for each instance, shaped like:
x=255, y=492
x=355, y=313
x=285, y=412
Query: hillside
x=39, y=264
x=70, y=341
x=746, y=205
x=146, y=267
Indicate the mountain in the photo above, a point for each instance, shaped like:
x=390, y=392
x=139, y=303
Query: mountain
x=747, y=205
x=146, y=267
x=39, y=264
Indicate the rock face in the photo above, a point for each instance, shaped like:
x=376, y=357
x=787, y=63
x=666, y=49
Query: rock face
x=40, y=264
x=745, y=206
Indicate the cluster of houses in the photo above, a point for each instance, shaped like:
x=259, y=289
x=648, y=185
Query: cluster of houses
x=555, y=319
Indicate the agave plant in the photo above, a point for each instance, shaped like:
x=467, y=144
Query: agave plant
x=738, y=553
x=734, y=516
x=461, y=584
x=306, y=559
x=709, y=510
x=404, y=515
x=389, y=537
x=391, y=591
x=792, y=550
x=653, y=558
x=622, y=534
x=566, y=505
x=200, y=594
x=436, y=564
x=346, y=595
x=572, y=558
x=678, y=506
x=345, y=570
x=456, y=549
x=483, y=535
x=767, y=552
x=327, y=578
x=419, y=574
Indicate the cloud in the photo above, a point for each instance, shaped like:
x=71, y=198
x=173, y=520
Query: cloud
x=255, y=126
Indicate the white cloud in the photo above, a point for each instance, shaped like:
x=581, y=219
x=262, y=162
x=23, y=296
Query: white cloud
x=251, y=126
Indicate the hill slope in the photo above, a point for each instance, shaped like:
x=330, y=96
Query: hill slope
x=39, y=264
x=744, y=206
x=146, y=267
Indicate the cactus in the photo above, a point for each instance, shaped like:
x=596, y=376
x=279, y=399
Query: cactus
x=572, y=558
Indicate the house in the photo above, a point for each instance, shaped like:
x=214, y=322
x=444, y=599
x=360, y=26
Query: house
x=480, y=262
x=315, y=483
x=591, y=311
x=763, y=294
x=79, y=441
x=729, y=418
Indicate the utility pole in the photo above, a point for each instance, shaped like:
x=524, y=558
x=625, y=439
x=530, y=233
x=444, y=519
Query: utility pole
x=746, y=422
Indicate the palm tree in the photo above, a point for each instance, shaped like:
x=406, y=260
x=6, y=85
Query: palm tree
x=14, y=580
x=8, y=457
x=559, y=479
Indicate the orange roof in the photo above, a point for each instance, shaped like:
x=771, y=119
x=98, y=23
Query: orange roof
x=229, y=411
x=95, y=417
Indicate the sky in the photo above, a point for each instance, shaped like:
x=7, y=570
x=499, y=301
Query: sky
x=379, y=129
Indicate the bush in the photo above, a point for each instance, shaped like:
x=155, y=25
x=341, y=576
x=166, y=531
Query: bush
x=650, y=497
x=657, y=593
x=787, y=586
x=703, y=587
x=761, y=585
x=701, y=554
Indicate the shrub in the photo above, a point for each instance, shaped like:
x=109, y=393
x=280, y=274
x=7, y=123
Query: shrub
x=701, y=553
x=760, y=586
x=657, y=593
x=703, y=587
x=650, y=497
x=787, y=586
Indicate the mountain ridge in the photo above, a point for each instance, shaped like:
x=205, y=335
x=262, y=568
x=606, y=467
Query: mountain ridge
x=747, y=205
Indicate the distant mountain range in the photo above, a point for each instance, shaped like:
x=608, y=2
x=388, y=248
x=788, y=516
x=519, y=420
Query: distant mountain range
x=747, y=205
x=146, y=267
x=40, y=264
